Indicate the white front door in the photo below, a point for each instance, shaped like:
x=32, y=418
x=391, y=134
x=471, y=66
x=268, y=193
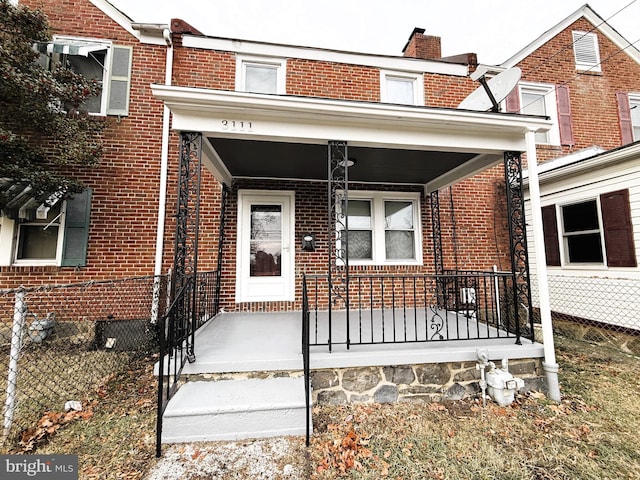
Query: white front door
x=266, y=253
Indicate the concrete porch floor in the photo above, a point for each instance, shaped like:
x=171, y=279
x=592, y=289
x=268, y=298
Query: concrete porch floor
x=249, y=342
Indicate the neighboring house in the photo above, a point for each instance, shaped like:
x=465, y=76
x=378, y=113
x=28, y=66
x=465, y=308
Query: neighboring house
x=298, y=146
x=592, y=234
x=586, y=76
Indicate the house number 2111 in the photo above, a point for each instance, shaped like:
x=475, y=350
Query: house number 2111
x=237, y=125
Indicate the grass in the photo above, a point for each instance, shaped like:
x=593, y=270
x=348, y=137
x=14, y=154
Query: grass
x=591, y=434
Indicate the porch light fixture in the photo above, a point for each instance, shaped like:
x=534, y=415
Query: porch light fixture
x=346, y=163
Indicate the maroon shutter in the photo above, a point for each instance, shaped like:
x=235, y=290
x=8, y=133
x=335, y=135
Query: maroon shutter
x=513, y=100
x=618, y=230
x=550, y=231
x=564, y=115
x=624, y=117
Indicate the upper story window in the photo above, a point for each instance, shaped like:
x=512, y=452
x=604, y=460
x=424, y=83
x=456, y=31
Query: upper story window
x=401, y=87
x=109, y=65
x=634, y=105
x=586, y=51
x=384, y=228
x=260, y=75
x=540, y=99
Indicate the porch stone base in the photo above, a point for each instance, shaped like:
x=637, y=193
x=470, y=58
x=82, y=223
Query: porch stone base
x=412, y=383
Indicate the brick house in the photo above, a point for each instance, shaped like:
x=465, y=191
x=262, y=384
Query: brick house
x=588, y=185
x=297, y=146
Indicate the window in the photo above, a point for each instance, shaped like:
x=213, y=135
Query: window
x=260, y=75
x=581, y=232
x=384, y=228
x=634, y=105
x=596, y=231
x=401, y=88
x=540, y=99
x=99, y=60
x=55, y=235
x=585, y=49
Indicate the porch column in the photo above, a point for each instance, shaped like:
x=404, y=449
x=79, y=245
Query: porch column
x=518, y=240
x=185, y=265
x=549, y=365
x=338, y=220
x=436, y=234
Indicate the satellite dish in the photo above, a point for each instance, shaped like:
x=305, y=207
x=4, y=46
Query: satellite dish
x=491, y=93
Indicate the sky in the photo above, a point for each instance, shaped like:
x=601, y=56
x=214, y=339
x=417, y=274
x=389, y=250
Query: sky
x=494, y=29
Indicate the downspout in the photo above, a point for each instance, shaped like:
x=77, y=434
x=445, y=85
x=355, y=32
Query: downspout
x=550, y=366
x=164, y=163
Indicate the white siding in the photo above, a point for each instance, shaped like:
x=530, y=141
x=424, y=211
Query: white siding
x=608, y=295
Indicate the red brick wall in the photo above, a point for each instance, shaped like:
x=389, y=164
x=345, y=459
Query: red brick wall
x=124, y=211
x=125, y=184
x=593, y=102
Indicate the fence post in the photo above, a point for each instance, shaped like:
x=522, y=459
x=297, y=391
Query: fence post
x=19, y=317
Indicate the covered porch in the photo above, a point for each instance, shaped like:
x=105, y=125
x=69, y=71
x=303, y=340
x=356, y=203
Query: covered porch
x=277, y=141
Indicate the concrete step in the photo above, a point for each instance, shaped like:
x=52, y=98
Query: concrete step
x=235, y=409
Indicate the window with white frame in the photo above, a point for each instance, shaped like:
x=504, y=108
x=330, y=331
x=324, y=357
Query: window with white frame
x=540, y=99
x=401, y=88
x=634, y=104
x=38, y=239
x=596, y=231
x=49, y=235
x=581, y=232
x=98, y=60
x=260, y=75
x=384, y=228
x=586, y=51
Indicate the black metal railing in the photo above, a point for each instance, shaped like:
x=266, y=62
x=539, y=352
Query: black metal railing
x=305, y=357
x=194, y=305
x=466, y=305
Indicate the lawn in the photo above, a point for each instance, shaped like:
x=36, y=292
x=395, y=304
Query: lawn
x=591, y=434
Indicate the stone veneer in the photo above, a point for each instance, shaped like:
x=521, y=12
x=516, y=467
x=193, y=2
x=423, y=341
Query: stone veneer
x=407, y=383
x=403, y=383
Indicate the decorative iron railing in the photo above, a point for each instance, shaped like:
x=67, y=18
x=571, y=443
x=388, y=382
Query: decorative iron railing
x=417, y=308
x=193, y=305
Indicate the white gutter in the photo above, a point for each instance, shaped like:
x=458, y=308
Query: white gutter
x=549, y=365
x=164, y=163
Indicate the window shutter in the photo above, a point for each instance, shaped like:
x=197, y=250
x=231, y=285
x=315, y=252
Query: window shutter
x=550, y=231
x=618, y=230
x=76, y=230
x=624, y=117
x=120, y=80
x=564, y=115
x=513, y=100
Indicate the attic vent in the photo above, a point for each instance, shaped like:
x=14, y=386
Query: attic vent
x=585, y=48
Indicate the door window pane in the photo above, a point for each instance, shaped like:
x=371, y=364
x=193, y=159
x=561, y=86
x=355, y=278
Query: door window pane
x=265, y=247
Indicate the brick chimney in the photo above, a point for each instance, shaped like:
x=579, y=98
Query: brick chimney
x=422, y=46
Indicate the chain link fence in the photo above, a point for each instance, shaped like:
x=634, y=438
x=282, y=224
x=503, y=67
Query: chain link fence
x=60, y=342
x=602, y=310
